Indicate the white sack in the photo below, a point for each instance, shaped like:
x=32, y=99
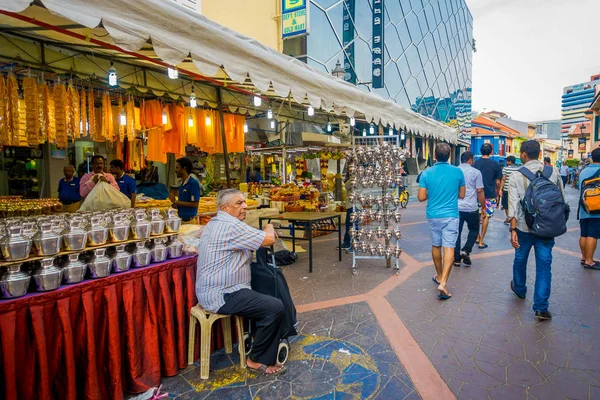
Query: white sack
x=104, y=197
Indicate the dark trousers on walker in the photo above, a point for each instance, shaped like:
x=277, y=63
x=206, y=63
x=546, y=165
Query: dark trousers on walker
x=267, y=313
x=472, y=220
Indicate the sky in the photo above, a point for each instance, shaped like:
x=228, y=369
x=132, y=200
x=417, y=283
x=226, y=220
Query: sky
x=529, y=50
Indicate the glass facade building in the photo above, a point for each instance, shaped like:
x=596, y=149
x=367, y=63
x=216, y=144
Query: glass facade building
x=427, y=60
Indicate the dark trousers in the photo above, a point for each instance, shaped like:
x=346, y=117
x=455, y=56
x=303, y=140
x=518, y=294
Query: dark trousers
x=472, y=220
x=346, y=242
x=564, y=179
x=266, y=312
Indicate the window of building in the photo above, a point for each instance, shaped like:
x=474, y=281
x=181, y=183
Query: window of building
x=597, y=128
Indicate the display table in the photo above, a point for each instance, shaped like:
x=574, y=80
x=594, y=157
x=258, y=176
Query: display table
x=307, y=221
x=98, y=338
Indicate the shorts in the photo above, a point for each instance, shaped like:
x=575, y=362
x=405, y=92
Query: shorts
x=590, y=227
x=505, y=200
x=443, y=231
x=490, y=207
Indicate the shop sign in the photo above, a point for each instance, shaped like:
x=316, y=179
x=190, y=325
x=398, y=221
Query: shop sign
x=581, y=145
x=348, y=39
x=570, y=154
x=378, y=47
x=294, y=18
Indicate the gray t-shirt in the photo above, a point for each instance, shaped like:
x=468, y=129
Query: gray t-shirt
x=473, y=181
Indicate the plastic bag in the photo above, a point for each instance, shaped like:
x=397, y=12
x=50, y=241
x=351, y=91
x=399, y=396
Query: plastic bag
x=190, y=236
x=105, y=197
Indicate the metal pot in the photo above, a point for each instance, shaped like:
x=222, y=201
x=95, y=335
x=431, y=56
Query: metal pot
x=15, y=246
x=46, y=242
x=98, y=233
x=14, y=282
x=157, y=223
x=173, y=222
x=99, y=267
x=159, y=252
x=47, y=277
x=121, y=262
x=74, y=271
x=175, y=247
x=118, y=231
x=74, y=238
x=140, y=229
x=142, y=255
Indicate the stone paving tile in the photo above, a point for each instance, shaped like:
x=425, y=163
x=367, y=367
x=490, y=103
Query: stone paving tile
x=340, y=353
x=486, y=343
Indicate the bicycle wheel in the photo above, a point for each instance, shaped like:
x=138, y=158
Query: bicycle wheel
x=404, y=199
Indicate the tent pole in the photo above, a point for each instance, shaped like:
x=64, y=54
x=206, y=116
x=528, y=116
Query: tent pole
x=223, y=139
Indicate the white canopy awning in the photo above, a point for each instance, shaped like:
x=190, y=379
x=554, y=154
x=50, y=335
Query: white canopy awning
x=176, y=33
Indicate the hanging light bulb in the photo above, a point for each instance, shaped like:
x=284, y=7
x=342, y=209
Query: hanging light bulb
x=311, y=111
x=329, y=127
x=122, y=118
x=164, y=117
x=173, y=73
x=208, y=121
x=193, y=102
x=257, y=101
x=272, y=124
x=112, y=75
x=245, y=127
x=352, y=121
x=364, y=132
x=372, y=129
x=402, y=135
x=190, y=121
x=270, y=114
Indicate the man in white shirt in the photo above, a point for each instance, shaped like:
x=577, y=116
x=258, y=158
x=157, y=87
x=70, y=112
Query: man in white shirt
x=564, y=174
x=468, y=209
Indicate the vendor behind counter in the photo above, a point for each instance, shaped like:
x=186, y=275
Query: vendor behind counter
x=68, y=190
x=189, y=192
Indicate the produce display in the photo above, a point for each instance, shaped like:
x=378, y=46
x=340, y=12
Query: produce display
x=153, y=203
x=292, y=192
x=92, y=243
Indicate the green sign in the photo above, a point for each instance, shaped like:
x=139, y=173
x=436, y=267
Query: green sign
x=294, y=18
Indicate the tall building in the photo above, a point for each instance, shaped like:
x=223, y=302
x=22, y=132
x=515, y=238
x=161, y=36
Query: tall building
x=576, y=100
x=415, y=52
x=549, y=129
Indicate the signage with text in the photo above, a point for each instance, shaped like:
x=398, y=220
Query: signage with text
x=581, y=145
x=378, y=47
x=294, y=18
x=348, y=40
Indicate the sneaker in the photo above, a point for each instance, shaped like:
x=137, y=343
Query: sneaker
x=349, y=250
x=543, y=315
x=512, y=287
x=466, y=258
x=456, y=263
x=344, y=247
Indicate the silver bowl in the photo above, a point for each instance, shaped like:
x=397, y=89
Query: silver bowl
x=175, y=249
x=118, y=233
x=159, y=252
x=100, y=265
x=121, y=262
x=142, y=257
x=47, y=277
x=97, y=236
x=15, y=246
x=157, y=227
x=14, y=282
x=74, y=271
x=140, y=230
x=46, y=242
x=74, y=238
x=172, y=225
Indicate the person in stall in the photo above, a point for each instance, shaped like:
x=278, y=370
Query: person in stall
x=68, y=190
x=89, y=180
x=189, y=192
x=255, y=176
x=126, y=183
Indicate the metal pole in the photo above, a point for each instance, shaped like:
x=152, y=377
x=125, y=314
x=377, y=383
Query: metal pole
x=284, y=165
x=223, y=139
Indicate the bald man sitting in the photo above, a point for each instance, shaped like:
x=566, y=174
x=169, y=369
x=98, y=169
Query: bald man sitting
x=68, y=190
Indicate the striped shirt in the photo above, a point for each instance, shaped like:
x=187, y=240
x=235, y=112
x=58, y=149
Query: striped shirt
x=224, y=255
x=507, y=171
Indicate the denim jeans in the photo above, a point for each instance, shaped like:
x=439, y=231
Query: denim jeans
x=346, y=242
x=472, y=220
x=543, y=268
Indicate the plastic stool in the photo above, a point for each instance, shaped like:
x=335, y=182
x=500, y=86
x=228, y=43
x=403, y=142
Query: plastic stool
x=206, y=319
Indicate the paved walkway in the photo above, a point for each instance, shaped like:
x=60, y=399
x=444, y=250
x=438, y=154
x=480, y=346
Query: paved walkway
x=386, y=336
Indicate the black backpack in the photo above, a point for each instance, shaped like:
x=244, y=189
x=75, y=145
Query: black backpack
x=546, y=212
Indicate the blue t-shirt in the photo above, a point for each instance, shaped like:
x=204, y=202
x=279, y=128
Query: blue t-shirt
x=189, y=191
x=69, y=191
x=583, y=175
x=442, y=182
x=126, y=185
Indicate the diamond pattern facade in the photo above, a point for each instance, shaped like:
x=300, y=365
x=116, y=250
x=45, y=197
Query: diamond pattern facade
x=428, y=46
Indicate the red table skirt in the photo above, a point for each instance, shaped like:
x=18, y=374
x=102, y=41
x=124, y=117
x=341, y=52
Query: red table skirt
x=98, y=338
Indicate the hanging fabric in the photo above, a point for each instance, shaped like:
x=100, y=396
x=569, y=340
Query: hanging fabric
x=74, y=117
x=131, y=119
x=60, y=115
x=107, y=132
x=84, y=112
x=3, y=122
x=32, y=116
x=92, y=129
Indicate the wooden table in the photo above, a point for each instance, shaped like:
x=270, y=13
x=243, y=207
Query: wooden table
x=305, y=221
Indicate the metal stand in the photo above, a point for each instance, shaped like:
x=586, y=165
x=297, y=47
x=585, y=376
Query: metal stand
x=393, y=140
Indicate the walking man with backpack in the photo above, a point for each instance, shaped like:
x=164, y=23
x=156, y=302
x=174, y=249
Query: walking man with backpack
x=538, y=213
x=589, y=211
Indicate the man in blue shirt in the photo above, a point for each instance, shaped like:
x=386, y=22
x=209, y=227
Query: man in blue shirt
x=189, y=192
x=442, y=185
x=126, y=183
x=589, y=223
x=68, y=190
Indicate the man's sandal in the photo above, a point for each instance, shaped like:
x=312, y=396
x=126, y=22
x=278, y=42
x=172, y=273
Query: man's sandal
x=263, y=370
